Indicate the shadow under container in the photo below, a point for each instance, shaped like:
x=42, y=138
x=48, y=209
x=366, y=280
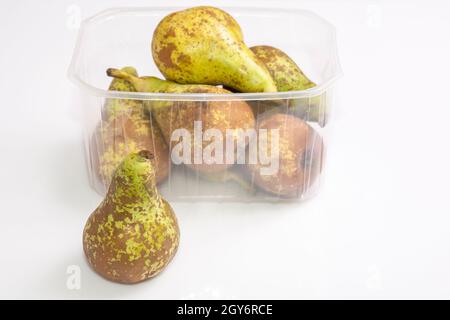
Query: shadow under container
x=279, y=158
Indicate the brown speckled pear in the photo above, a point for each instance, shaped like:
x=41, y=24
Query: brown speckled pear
x=205, y=45
x=170, y=116
x=117, y=107
x=133, y=234
x=289, y=77
x=126, y=128
x=284, y=71
x=300, y=156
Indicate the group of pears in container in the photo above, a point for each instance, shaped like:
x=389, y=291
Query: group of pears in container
x=226, y=121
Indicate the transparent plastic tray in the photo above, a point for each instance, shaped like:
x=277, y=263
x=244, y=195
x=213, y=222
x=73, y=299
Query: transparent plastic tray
x=122, y=37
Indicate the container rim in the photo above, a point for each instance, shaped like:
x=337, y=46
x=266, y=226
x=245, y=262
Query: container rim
x=106, y=14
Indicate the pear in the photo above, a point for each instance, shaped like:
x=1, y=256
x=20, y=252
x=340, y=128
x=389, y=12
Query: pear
x=117, y=107
x=117, y=137
x=223, y=116
x=284, y=71
x=205, y=45
x=127, y=128
x=299, y=151
x=133, y=234
x=289, y=77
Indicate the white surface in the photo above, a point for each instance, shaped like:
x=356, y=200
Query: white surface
x=378, y=229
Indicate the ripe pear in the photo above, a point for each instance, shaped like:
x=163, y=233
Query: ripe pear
x=284, y=71
x=173, y=115
x=205, y=45
x=289, y=77
x=126, y=128
x=117, y=137
x=133, y=234
x=300, y=150
x=117, y=107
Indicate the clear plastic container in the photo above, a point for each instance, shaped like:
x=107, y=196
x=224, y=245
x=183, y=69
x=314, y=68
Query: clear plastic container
x=122, y=37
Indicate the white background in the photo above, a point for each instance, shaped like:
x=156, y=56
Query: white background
x=379, y=227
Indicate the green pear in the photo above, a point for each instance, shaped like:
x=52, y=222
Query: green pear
x=284, y=71
x=289, y=77
x=133, y=234
x=118, y=107
x=205, y=45
x=173, y=115
x=117, y=137
x=156, y=85
x=126, y=128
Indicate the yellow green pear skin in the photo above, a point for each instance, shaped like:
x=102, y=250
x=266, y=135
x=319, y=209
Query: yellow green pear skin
x=133, y=234
x=205, y=45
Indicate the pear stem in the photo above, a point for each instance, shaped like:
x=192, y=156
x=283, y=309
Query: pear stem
x=119, y=74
